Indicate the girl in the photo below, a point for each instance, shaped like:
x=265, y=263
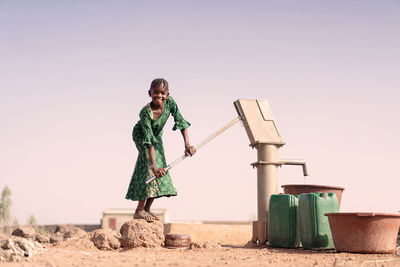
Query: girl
x=151, y=161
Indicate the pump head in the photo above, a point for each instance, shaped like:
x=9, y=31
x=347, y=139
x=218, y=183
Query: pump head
x=258, y=121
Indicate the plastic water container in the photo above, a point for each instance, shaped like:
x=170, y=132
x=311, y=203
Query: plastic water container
x=315, y=232
x=283, y=226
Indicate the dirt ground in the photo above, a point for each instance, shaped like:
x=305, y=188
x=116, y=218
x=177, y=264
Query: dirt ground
x=73, y=253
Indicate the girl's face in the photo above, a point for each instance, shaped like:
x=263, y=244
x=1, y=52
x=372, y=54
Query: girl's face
x=158, y=95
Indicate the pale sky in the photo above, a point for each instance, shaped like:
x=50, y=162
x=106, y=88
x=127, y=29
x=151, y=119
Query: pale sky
x=75, y=74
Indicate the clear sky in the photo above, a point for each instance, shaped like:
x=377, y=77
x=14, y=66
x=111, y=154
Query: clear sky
x=75, y=74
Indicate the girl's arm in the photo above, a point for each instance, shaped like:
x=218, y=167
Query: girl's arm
x=150, y=141
x=182, y=124
x=158, y=172
x=189, y=150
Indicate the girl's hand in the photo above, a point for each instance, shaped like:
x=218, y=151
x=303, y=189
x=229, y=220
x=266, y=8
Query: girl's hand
x=190, y=150
x=158, y=172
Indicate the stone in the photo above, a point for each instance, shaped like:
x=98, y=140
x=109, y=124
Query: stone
x=25, y=231
x=42, y=238
x=105, y=239
x=70, y=231
x=139, y=233
x=195, y=246
x=206, y=245
x=7, y=256
x=57, y=238
x=211, y=245
x=15, y=249
x=4, y=237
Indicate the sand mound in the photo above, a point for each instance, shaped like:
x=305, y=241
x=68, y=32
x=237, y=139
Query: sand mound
x=81, y=243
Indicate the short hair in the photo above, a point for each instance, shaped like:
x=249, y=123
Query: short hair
x=159, y=82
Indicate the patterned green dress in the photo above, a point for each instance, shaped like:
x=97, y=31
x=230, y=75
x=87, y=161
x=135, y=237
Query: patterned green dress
x=148, y=132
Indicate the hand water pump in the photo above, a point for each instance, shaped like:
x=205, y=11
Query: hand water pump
x=264, y=136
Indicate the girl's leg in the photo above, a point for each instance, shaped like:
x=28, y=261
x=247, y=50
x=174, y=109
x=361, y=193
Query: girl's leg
x=140, y=206
x=148, y=204
x=140, y=213
x=147, y=207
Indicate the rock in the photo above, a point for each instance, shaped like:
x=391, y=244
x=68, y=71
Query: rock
x=25, y=231
x=8, y=256
x=70, y=231
x=4, y=237
x=210, y=245
x=105, y=239
x=77, y=233
x=195, y=246
x=17, y=248
x=57, y=238
x=42, y=238
x=139, y=233
x=28, y=247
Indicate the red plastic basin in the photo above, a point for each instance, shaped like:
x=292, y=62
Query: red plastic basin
x=297, y=189
x=364, y=232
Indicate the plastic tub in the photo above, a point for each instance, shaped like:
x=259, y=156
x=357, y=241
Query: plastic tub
x=297, y=189
x=364, y=232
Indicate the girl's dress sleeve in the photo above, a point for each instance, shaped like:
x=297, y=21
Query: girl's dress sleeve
x=148, y=136
x=180, y=122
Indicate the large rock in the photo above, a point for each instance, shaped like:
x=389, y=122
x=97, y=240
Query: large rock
x=105, y=239
x=139, y=233
x=15, y=248
x=25, y=231
x=42, y=238
x=70, y=231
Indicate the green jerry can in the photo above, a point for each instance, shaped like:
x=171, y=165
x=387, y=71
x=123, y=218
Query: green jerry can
x=283, y=222
x=315, y=232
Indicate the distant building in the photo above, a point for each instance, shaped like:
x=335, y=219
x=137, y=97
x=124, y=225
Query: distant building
x=114, y=218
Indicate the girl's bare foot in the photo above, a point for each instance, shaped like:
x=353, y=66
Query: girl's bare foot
x=143, y=215
x=155, y=217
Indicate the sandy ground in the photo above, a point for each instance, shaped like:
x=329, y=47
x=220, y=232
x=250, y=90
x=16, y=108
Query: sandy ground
x=71, y=253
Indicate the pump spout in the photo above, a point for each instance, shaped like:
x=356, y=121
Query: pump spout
x=295, y=162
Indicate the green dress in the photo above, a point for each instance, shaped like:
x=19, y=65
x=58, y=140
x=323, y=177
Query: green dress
x=148, y=132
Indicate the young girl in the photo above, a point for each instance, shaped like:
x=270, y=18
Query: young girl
x=151, y=161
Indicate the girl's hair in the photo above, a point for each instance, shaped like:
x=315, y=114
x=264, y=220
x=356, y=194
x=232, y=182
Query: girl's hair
x=159, y=82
